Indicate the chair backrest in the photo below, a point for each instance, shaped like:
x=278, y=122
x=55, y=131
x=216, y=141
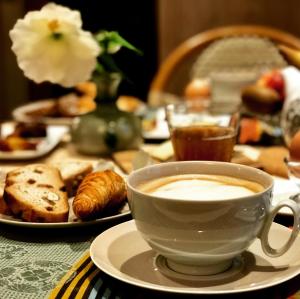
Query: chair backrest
x=228, y=49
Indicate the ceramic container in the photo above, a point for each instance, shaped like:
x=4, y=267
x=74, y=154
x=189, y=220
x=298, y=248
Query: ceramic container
x=202, y=237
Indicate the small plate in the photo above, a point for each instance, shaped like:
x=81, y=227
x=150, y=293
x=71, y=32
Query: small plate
x=101, y=165
x=122, y=253
x=161, y=131
x=18, y=222
x=20, y=114
x=46, y=144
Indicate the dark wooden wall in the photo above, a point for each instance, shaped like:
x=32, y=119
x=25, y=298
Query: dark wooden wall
x=13, y=86
x=180, y=19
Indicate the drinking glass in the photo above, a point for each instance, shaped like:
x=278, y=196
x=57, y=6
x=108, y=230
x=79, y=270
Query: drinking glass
x=202, y=130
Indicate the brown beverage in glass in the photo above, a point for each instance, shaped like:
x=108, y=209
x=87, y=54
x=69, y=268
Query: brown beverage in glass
x=202, y=130
x=214, y=143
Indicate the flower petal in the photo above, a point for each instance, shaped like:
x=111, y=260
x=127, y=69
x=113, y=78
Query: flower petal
x=51, y=46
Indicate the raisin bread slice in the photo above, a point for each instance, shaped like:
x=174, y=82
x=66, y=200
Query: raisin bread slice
x=35, y=174
x=36, y=193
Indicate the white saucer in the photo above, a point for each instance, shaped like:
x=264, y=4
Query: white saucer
x=122, y=253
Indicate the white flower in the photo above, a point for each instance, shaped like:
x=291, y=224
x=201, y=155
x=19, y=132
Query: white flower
x=50, y=45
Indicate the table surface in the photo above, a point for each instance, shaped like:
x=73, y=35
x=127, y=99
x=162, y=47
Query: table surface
x=35, y=259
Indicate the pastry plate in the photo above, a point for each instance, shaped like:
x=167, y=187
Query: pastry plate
x=124, y=211
x=102, y=164
x=21, y=114
x=160, y=130
x=45, y=145
x=122, y=253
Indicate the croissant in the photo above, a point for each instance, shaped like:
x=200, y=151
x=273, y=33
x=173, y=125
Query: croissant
x=99, y=191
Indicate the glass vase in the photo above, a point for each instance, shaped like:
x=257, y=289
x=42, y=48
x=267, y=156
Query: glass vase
x=106, y=129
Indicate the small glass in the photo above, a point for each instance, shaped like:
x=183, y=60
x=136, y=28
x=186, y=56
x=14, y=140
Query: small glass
x=202, y=130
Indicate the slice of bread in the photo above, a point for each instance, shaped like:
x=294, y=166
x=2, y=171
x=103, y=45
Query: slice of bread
x=36, y=193
x=73, y=172
x=4, y=209
x=35, y=174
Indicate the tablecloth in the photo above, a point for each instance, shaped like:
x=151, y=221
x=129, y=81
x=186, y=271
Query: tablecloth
x=32, y=270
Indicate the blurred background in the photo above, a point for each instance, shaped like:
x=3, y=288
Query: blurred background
x=154, y=26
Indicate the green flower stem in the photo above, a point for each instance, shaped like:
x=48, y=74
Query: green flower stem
x=110, y=43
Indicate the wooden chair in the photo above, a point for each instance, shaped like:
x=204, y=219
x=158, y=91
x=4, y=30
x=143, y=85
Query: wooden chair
x=184, y=62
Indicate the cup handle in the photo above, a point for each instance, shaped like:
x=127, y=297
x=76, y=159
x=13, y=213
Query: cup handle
x=268, y=250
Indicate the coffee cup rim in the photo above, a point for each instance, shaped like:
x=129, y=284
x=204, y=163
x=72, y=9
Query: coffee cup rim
x=227, y=164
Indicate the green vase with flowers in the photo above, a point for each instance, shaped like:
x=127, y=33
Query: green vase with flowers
x=107, y=129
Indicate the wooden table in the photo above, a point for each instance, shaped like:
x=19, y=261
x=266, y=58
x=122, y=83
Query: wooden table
x=36, y=241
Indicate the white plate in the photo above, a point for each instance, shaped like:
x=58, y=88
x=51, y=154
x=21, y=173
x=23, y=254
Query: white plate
x=18, y=222
x=20, y=114
x=161, y=130
x=47, y=144
x=123, y=211
x=122, y=253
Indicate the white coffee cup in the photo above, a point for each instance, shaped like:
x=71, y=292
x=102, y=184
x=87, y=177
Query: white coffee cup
x=203, y=236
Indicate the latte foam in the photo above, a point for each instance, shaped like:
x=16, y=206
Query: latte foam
x=200, y=187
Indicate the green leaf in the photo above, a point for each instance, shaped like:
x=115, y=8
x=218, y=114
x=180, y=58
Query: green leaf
x=101, y=36
x=112, y=42
x=115, y=37
x=113, y=47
